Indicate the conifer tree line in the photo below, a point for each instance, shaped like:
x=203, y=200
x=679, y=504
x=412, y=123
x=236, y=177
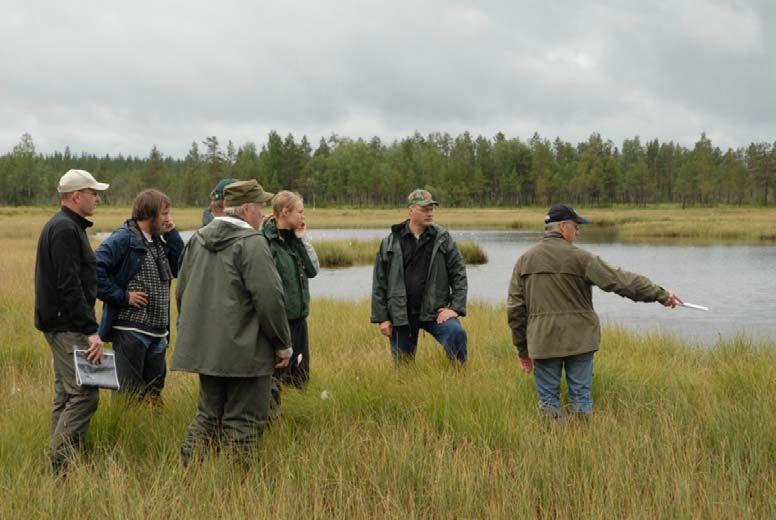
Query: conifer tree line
x=459, y=171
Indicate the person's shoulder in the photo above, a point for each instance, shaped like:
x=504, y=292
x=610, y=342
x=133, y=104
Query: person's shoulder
x=253, y=236
x=580, y=252
x=60, y=222
x=439, y=229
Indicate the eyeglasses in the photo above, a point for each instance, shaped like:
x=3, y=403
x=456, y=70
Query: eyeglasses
x=90, y=192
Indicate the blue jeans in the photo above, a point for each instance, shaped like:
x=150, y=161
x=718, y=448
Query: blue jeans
x=451, y=334
x=579, y=377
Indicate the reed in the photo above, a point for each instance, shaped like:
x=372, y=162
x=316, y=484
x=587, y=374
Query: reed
x=347, y=253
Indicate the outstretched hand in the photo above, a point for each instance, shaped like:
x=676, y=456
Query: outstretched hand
x=672, y=300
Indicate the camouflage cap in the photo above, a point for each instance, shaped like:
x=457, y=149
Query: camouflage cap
x=420, y=198
x=245, y=192
x=218, y=191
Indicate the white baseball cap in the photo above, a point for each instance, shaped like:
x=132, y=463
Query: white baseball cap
x=75, y=180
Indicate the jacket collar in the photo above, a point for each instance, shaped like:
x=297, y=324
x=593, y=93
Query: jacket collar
x=270, y=229
x=403, y=229
x=75, y=217
x=553, y=234
x=137, y=240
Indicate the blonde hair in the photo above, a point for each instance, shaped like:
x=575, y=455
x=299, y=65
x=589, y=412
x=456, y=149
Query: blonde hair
x=284, y=200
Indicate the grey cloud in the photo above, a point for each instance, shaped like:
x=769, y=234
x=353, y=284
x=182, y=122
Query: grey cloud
x=121, y=78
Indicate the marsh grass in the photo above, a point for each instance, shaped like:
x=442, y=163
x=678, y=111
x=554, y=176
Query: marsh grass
x=472, y=253
x=680, y=431
x=346, y=253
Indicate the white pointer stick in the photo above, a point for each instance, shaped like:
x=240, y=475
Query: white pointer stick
x=693, y=306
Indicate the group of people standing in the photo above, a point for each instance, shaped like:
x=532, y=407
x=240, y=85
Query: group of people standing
x=243, y=300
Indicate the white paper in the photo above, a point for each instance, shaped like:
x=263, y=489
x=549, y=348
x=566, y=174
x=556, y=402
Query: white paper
x=693, y=306
x=88, y=374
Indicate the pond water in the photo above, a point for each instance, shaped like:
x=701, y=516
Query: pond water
x=737, y=282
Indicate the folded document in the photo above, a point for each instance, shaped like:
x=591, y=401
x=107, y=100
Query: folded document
x=88, y=374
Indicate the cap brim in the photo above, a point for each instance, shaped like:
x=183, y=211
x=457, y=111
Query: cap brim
x=425, y=203
x=581, y=220
x=100, y=186
x=266, y=196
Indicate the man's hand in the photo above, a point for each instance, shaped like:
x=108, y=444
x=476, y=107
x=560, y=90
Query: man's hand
x=672, y=300
x=138, y=299
x=386, y=328
x=282, y=362
x=444, y=314
x=168, y=226
x=94, y=353
x=299, y=232
x=526, y=364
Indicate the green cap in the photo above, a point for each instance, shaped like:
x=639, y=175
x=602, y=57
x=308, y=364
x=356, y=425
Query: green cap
x=245, y=192
x=420, y=198
x=218, y=191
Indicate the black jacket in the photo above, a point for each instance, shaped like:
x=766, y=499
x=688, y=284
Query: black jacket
x=65, y=276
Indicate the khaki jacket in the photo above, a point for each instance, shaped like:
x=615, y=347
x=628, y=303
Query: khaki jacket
x=550, y=301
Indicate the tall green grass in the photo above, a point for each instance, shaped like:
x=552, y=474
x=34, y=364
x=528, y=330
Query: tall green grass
x=678, y=432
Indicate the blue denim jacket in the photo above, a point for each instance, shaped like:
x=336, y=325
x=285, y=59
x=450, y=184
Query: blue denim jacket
x=119, y=258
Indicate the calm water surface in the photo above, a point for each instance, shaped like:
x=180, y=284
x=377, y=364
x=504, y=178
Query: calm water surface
x=736, y=282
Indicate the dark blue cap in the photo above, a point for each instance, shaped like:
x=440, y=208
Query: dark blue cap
x=561, y=212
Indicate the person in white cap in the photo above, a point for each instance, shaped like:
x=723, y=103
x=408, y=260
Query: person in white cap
x=65, y=293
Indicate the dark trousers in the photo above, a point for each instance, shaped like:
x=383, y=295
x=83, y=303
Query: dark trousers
x=298, y=372
x=140, y=363
x=450, y=334
x=231, y=413
x=74, y=405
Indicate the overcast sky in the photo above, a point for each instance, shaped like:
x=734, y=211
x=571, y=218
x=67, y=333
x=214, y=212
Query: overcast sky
x=120, y=77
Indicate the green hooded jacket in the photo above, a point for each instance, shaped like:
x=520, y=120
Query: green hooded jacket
x=231, y=311
x=550, y=301
x=446, y=284
x=294, y=267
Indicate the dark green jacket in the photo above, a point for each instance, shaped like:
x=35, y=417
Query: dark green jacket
x=550, y=301
x=231, y=312
x=294, y=267
x=446, y=284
